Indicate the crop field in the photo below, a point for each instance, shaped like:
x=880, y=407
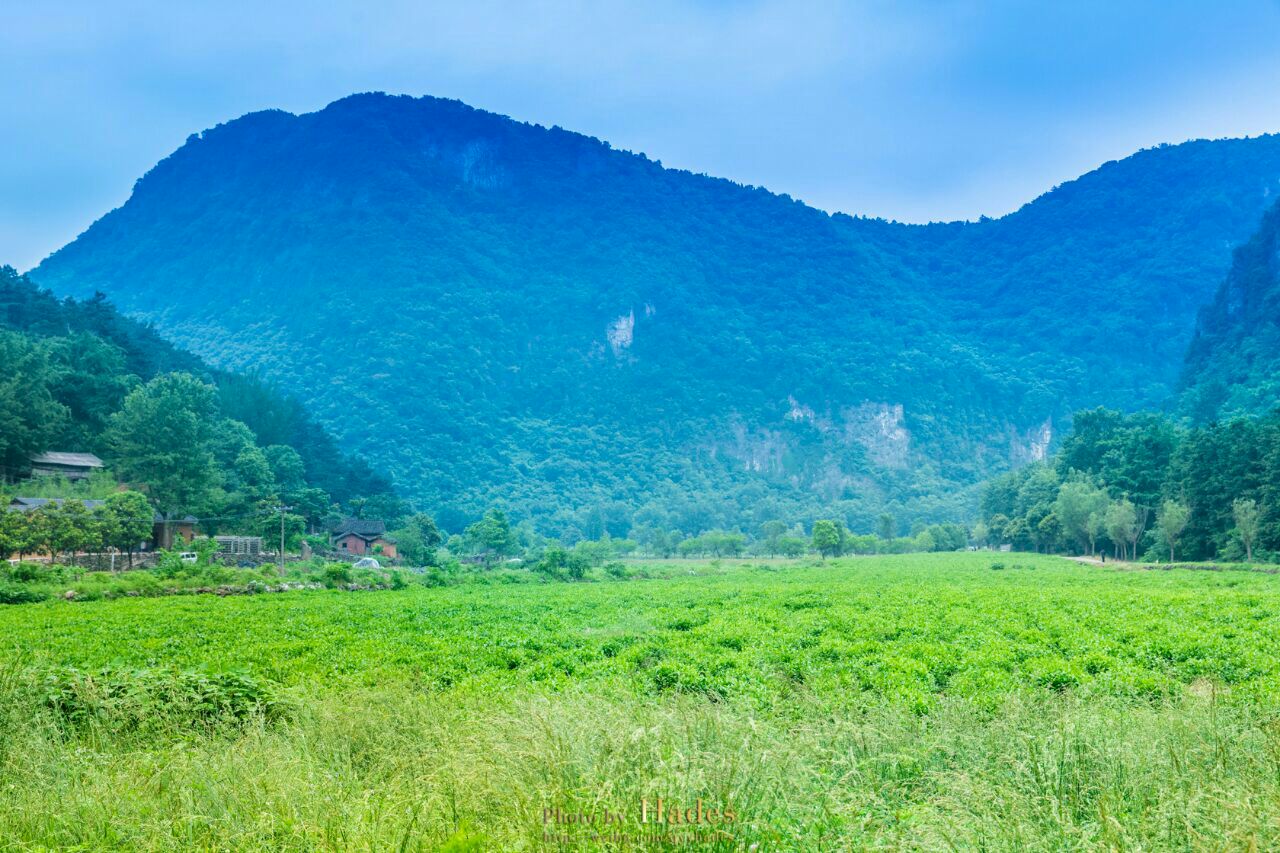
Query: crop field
x=947, y=701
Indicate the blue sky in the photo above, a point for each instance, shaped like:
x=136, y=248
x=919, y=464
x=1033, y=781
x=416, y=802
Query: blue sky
x=910, y=110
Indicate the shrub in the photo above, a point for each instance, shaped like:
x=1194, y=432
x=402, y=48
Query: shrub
x=576, y=566
x=335, y=574
x=33, y=573
x=16, y=594
x=153, y=700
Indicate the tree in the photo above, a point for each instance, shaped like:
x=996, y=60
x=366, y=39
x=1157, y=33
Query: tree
x=418, y=539
x=1121, y=521
x=161, y=437
x=664, y=543
x=21, y=532
x=771, y=532
x=791, y=546
x=491, y=537
x=1172, y=520
x=996, y=526
x=132, y=520
x=287, y=468
x=1140, y=527
x=1247, y=515
x=1095, y=525
x=886, y=526
x=76, y=528
x=593, y=552
x=980, y=534
x=11, y=533
x=826, y=538
x=1047, y=532
x=1080, y=508
x=270, y=520
x=722, y=543
x=30, y=416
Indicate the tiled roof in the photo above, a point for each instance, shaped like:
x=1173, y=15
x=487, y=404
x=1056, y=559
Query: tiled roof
x=32, y=503
x=79, y=460
x=363, y=527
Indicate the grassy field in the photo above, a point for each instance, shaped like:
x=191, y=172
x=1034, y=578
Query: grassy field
x=958, y=701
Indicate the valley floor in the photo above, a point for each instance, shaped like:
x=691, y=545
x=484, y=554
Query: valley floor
x=948, y=701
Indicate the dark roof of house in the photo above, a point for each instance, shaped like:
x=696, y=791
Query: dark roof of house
x=365, y=528
x=173, y=519
x=75, y=460
x=32, y=503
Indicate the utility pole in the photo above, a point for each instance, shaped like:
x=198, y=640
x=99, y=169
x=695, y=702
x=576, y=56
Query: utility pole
x=282, y=510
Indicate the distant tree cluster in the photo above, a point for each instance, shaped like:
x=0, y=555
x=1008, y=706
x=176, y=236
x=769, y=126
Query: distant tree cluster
x=1144, y=486
x=493, y=539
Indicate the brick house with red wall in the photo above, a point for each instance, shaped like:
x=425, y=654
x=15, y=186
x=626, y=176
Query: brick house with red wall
x=361, y=536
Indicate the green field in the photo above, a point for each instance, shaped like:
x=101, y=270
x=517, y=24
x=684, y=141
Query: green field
x=946, y=701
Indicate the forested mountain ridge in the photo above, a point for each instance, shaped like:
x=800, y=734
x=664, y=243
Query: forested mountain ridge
x=71, y=368
x=496, y=312
x=1233, y=364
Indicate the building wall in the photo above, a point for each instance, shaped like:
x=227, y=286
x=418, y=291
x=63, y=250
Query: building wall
x=350, y=544
x=353, y=544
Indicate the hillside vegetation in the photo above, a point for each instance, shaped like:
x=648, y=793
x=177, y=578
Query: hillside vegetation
x=79, y=376
x=498, y=313
x=1233, y=363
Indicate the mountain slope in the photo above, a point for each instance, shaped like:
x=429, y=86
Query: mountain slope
x=95, y=386
x=497, y=312
x=1233, y=364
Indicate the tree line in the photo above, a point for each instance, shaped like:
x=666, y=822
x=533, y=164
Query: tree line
x=495, y=539
x=1145, y=486
x=120, y=523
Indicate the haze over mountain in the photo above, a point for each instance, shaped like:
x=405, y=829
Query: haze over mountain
x=495, y=312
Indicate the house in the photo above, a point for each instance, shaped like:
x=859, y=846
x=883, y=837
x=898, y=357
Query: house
x=27, y=504
x=72, y=466
x=167, y=531
x=362, y=536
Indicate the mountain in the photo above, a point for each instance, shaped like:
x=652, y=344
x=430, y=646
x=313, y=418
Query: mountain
x=501, y=313
x=1233, y=363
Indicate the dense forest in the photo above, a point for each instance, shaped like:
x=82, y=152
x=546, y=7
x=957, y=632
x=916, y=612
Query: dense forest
x=80, y=377
x=1144, y=486
x=499, y=314
x=1233, y=363
x=1199, y=482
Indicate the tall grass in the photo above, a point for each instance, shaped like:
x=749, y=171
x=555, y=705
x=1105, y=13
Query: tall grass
x=394, y=769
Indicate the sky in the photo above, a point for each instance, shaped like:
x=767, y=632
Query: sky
x=916, y=111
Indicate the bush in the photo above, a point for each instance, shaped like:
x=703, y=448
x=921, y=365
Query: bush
x=616, y=570
x=14, y=594
x=33, y=573
x=151, y=700
x=335, y=574
x=577, y=567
